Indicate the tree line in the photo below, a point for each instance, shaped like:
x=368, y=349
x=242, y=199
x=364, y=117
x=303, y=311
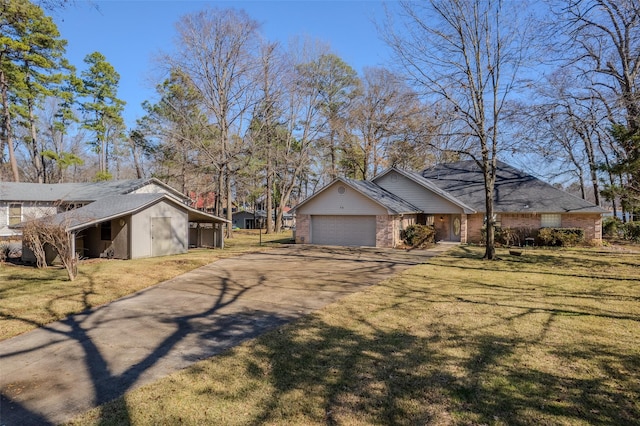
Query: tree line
x=253, y=120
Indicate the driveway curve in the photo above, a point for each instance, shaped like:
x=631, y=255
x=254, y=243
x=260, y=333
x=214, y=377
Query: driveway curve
x=49, y=375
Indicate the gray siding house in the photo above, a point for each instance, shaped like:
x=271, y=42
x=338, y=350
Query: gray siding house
x=450, y=197
x=118, y=219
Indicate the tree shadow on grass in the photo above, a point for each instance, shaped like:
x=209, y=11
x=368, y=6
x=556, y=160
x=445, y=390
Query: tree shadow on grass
x=447, y=377
x=219, y=331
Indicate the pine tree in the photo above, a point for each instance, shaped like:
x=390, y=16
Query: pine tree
x=102, y=108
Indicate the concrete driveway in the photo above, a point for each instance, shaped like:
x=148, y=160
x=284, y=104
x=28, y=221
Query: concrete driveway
x=49, y=375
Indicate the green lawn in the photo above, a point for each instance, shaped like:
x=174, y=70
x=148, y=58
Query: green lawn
x=551, y=337
x=30, y=297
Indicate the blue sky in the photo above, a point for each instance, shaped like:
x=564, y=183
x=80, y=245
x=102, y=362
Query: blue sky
x=131, y=33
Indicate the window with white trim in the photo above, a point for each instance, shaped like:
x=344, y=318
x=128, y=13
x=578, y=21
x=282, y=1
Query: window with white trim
x=15, y=214
x=550, y=220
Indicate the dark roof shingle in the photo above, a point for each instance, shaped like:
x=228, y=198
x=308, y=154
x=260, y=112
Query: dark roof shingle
x=514, y=191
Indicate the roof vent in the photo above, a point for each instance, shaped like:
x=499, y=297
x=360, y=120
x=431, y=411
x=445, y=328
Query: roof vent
x=341, y=190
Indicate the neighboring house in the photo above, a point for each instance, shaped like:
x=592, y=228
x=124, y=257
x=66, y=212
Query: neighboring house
x=250, y=220
x=288, y=219
x=119, y=219
x=244, y=220
x=450, y=197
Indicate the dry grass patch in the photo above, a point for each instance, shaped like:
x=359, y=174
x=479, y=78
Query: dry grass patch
x=550, y=337
x=31, y=298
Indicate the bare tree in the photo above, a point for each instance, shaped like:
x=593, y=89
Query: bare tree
x=337, y=84
x=303, y=120
x=38, y=234
x=380, y=114
x=217, y=53
x=603, y=41
x=564, y=127
x=465, y=54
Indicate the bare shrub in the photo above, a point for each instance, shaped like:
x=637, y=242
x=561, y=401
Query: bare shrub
x=4, y=250
x=38, y=234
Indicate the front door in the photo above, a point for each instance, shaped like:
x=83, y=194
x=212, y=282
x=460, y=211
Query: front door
x=456, y=226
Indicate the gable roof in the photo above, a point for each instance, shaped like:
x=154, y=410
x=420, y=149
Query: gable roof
x=427, y=184
x=514, y=191
x=391, y=202
x=77, y=192
x=115, y=206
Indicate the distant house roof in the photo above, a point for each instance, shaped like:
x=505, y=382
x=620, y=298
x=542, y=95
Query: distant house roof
x=115, y=206
x=515, y=191
x=77, y=192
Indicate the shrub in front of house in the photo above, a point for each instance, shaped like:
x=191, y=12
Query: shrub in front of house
x=513, y=236
x=564, y=237
x=4, y=250
x=611, y=226
x=631, y=231
x=419, y=236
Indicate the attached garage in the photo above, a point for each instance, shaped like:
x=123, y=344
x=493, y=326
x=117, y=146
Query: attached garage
x=343, y=230
x=354, y=213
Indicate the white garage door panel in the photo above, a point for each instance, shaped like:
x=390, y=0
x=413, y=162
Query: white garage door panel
x=343, y=230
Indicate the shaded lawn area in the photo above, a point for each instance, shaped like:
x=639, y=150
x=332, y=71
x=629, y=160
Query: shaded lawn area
x=31, y=297
x=551, y=337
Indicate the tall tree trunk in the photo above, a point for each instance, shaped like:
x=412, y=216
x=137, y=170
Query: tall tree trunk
x=7, y=130
x=227, y=179
x=136, y=160
x=218, y=209
x=269, y=195
x=35, y=151
x=489, y=176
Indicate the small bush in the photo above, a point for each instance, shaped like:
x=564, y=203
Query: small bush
x=4, y=250
x=631, y=231
x=565, y=237
x=610, y=226
x=513, y=236
x=419, y=236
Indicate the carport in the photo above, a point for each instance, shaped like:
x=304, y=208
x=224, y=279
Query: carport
x=139, y=225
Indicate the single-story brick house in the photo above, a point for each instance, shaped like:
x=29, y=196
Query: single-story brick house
x=118, y=219
x=449, y=196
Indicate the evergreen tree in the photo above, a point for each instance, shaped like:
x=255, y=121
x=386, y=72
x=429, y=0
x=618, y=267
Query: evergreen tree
x=102, y=108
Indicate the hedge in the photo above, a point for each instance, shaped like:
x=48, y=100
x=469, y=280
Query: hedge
x=419, y=236
x=564, y=237
x=631, y=231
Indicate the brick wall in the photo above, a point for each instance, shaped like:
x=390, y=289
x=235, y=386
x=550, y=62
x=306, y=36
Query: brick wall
x=591, y=223
x=520, y=220
x=474, y=227
x=463, y=228
x=303, y=228
x=386, y=229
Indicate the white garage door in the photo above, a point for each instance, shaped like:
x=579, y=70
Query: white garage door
x=343, y=230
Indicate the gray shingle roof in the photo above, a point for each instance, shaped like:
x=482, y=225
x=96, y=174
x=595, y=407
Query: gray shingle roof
x=515, y=191
x=391, y=202
x=104, y=209
x=117, y=206
x=72, y=192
